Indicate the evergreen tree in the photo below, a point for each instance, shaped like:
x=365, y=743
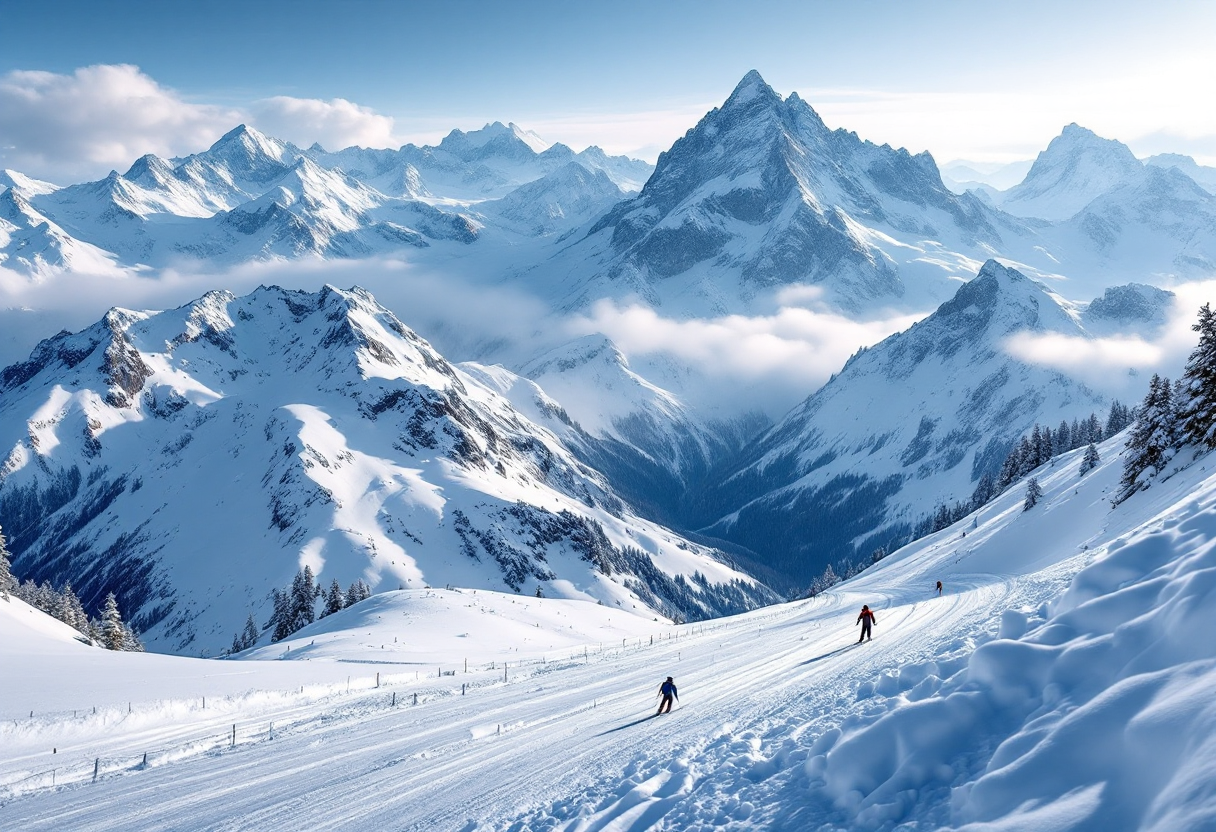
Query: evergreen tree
x=131, y=642
x=878, y=554
x=539, y=593
x=1038, y=455
x=72, y=611
x=1198, y=407
x=357, y=592
x=1033, y=494
x=1027, y=456
x=304, y=594
x=984, y=491
x=1120, y=416
x=247, y=638
x=7, y=582
x=113, y=632
x=334, y=599
x=1063, y=438
x=1094, y=432
x=1151, y=440
x=1090, y=460
x=250, y=635
x=280, y=619
x=1009, y=470
x=829, y=578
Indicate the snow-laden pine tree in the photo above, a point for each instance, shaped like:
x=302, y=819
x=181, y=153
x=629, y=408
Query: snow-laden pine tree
x=1198, y=408
x=1152, y=439
x=1090, y=460
x=280, y=619
x=985, y=490
x=113, y=632
x=1034, y=492
x=249, y=636
x=304, y=594
x=1064, y=439
x=357, y=592
x=7, y=581
x=1120, y=416
x=334, y=599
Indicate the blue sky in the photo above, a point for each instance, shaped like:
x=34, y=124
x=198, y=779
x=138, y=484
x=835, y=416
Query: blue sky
x=987, y=81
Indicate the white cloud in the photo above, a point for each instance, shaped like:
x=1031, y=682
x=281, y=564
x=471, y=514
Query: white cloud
x=794, y=350
x=336, y=124
x=1118, y=365
x=66, y=127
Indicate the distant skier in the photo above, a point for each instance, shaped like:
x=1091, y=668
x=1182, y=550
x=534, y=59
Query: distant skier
x=866, y=620
x=939, y=587
x=667, y=690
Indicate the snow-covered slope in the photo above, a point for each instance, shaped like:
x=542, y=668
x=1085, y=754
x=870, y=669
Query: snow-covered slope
x=1060, y=684
x=910, y=423
x=650, y=445
x=325, y=433
x=1161, y=224
x=568, y=197
x=1076, y=168
x=26, y=185
x=33, y=245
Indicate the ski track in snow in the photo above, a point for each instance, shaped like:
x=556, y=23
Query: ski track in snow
x=574, y=750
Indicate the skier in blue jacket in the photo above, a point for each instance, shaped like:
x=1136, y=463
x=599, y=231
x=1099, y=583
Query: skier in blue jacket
x=667, y=690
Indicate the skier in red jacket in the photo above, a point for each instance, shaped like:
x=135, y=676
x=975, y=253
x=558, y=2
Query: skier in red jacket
x=866, y=620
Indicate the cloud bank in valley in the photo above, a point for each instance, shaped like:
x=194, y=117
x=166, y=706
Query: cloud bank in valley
x=1120, y=364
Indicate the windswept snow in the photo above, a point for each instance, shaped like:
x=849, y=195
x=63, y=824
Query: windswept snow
x=1062, y=682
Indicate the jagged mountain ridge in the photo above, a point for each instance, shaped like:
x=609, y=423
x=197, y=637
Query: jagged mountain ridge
x=911, y=422
x=252, y=197
x=762, y=194
x=191, y=460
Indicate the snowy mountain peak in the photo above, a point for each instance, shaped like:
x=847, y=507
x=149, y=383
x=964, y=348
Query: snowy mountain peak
x=245, y=141
x=751, y=88
x=28, y=185
x=1076, y=168
x=495, y=139
x=308, y=428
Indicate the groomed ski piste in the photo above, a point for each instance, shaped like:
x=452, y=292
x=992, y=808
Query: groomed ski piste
x=1061, y=682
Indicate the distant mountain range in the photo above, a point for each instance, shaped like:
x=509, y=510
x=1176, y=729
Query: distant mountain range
x=553, y=432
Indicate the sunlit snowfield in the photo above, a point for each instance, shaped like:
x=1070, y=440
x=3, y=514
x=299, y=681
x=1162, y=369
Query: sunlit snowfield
x=1091, y=674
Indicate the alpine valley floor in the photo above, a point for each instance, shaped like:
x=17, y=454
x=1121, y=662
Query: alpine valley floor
x=1062, y=682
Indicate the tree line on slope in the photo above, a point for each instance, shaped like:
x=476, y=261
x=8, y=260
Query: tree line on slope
x=1172, y=417
x=1034, y=449
x=107, y=630
x=296, y=607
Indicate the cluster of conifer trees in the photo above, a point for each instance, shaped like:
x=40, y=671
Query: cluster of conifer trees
x=1174, y=415
x=108, y=630
x=1036, y=448
x=296, y=607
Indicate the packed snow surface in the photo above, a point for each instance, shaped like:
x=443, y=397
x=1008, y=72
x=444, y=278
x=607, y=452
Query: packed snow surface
x=1061, y=682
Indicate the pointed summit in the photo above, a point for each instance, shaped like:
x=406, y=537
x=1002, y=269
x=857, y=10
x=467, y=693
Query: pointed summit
x=1077, y=167
x=752, y=87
